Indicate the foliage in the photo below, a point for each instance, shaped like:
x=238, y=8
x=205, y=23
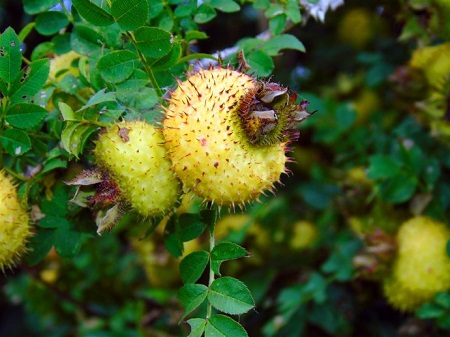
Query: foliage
x=374, y=155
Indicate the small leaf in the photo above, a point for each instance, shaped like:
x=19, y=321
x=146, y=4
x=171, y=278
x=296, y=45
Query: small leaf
x=85, y=40
x=277, y=24
x=193, y=265
x=226, y=251
x=51, y=22
x=66, y=112
x=25, y=31
x=15, y=142
x=204, y=14
x=93, y=13
x=191, y=226
x=293, y=11
x=25, y=115
x=197, y=326
x=29, y=85
x=226, y=6
x=75, y=135
x=153, y=42
x=261, y=63
x=381, y=166
x=67, y=242
x=224, y=326
x=230, y=296
x=38, y=6
x=40, y=244
x=130, y=14
x=399, y=188
x=192, y=296
x=50, y=221
x=170, y=59
x=10, y=55
x=117, y=66
x=99, y=97
x=135, y=93
x=283, y=41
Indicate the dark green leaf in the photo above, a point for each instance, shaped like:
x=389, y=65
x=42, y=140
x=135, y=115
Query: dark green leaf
x=381, y=166
x=53, y=163
x=42, y=50
x=57, y=205
x=51, y=22
x=50, y=221
x=135, y=93
x=34, y=78
x=15, y=142
x=197, y=326
x=261, y=63
x=227, y=6
x=117, y=66
x=40, y=244
x=93, y=13
x=61, y=43
x=10, y=55
x=192, y=295
x=193, y=265
x=191, y=226
x=204, y=13
x=38, y=6
x=153, y=42
x=226, y=251
x=130, y=14
x=432, y=172
x=230, y=296
x=283, y=41
x=156, y=8
x=224, y=326
x=25, y=115
x=170, y=59
x=67, y=242
x=98, y=98
x=443, y=299
x=184, y=10
x=399, y=188
x=84, y=40
x=75, y=135
x=173, y=244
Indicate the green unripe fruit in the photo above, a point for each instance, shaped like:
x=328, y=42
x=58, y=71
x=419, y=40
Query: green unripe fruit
x=133, y=155
x=422, y=267
x=14, y=229
x=226, y=134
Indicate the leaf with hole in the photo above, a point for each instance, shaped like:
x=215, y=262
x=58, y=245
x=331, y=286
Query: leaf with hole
x=15, y=142
x=10, y=55
x=28, y=85
x=193, y=265
x=230, y=296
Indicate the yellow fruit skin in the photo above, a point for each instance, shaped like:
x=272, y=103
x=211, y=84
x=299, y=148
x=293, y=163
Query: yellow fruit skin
x=63, y=62
x=422, y=267
x=137, y=162
x=209, y=150
x=14, y=229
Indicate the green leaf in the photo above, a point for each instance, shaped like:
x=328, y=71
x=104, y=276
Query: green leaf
x=98, y=98
x=430, y=310
x=204, y=14
x=381, y=166
x=51, y=221
x=261, y=63
x=25, y=31
x=293, y=11
x=170, y=59
x=226, y=251
x=117, y=66
x=10, y=55
x=192, y=296
x=51, y=22
x=197, y=327
x=15, y=142
x=130, y=14
x=25, y=115
x=61, y=43
x=443, y=299
x=93, y=13
x=227, y=6
x=38, y=6
x=195, y=35
x=224, y=326
x=66, y=112
x=399, y=188
x=67, y=242
x=193, y=265
x=277, y=24
x=283, y=41
x=191, y=226
x=40, y=244
x=34, y=78
x=230, y=296
x=153, y=42
x=84, y=40
x=134, y=93
x=75, y=135
x=156, y=8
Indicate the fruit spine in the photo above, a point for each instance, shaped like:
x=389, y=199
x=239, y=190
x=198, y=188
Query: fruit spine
x=14, y=229
x=226, y=134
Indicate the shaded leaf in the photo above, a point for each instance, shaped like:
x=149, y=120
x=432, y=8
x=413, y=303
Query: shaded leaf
x=51, y=22
x=15, y=142
x=193, y=265
x=192, y=296
x=197, y=327
x=226, y=251
x=230, y=296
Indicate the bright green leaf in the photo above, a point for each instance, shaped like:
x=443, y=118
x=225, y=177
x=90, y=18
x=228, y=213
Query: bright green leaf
x=51, y=22
x=192, y=296
x=227, y=6
x=279, y=42
x=153, y=42
x=117, y=66
x=67, y=112
x=193, y=265
x=85, y=40
x=130, y=14
x=10, y=55
x=15, y=142
x=224, y=326
x=25, y=115
x=135, y=93
x=293, y=11
x=25, y=31
x=195, y=35
x=197, y=327
x=98, y=98
x=38, y=6
x=230, y=296
x=34, y=78
x=226, y=251
x=93, y=13
x=277, y=24
x=261, y=63
x=204, y=14
x=75, y=135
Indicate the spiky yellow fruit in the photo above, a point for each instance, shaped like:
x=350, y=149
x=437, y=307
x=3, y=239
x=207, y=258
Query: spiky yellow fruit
x=225, y=134
x=422, y=267
x=133, y=154
x=14, y=229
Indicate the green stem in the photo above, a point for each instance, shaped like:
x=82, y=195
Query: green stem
x=212, y=243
